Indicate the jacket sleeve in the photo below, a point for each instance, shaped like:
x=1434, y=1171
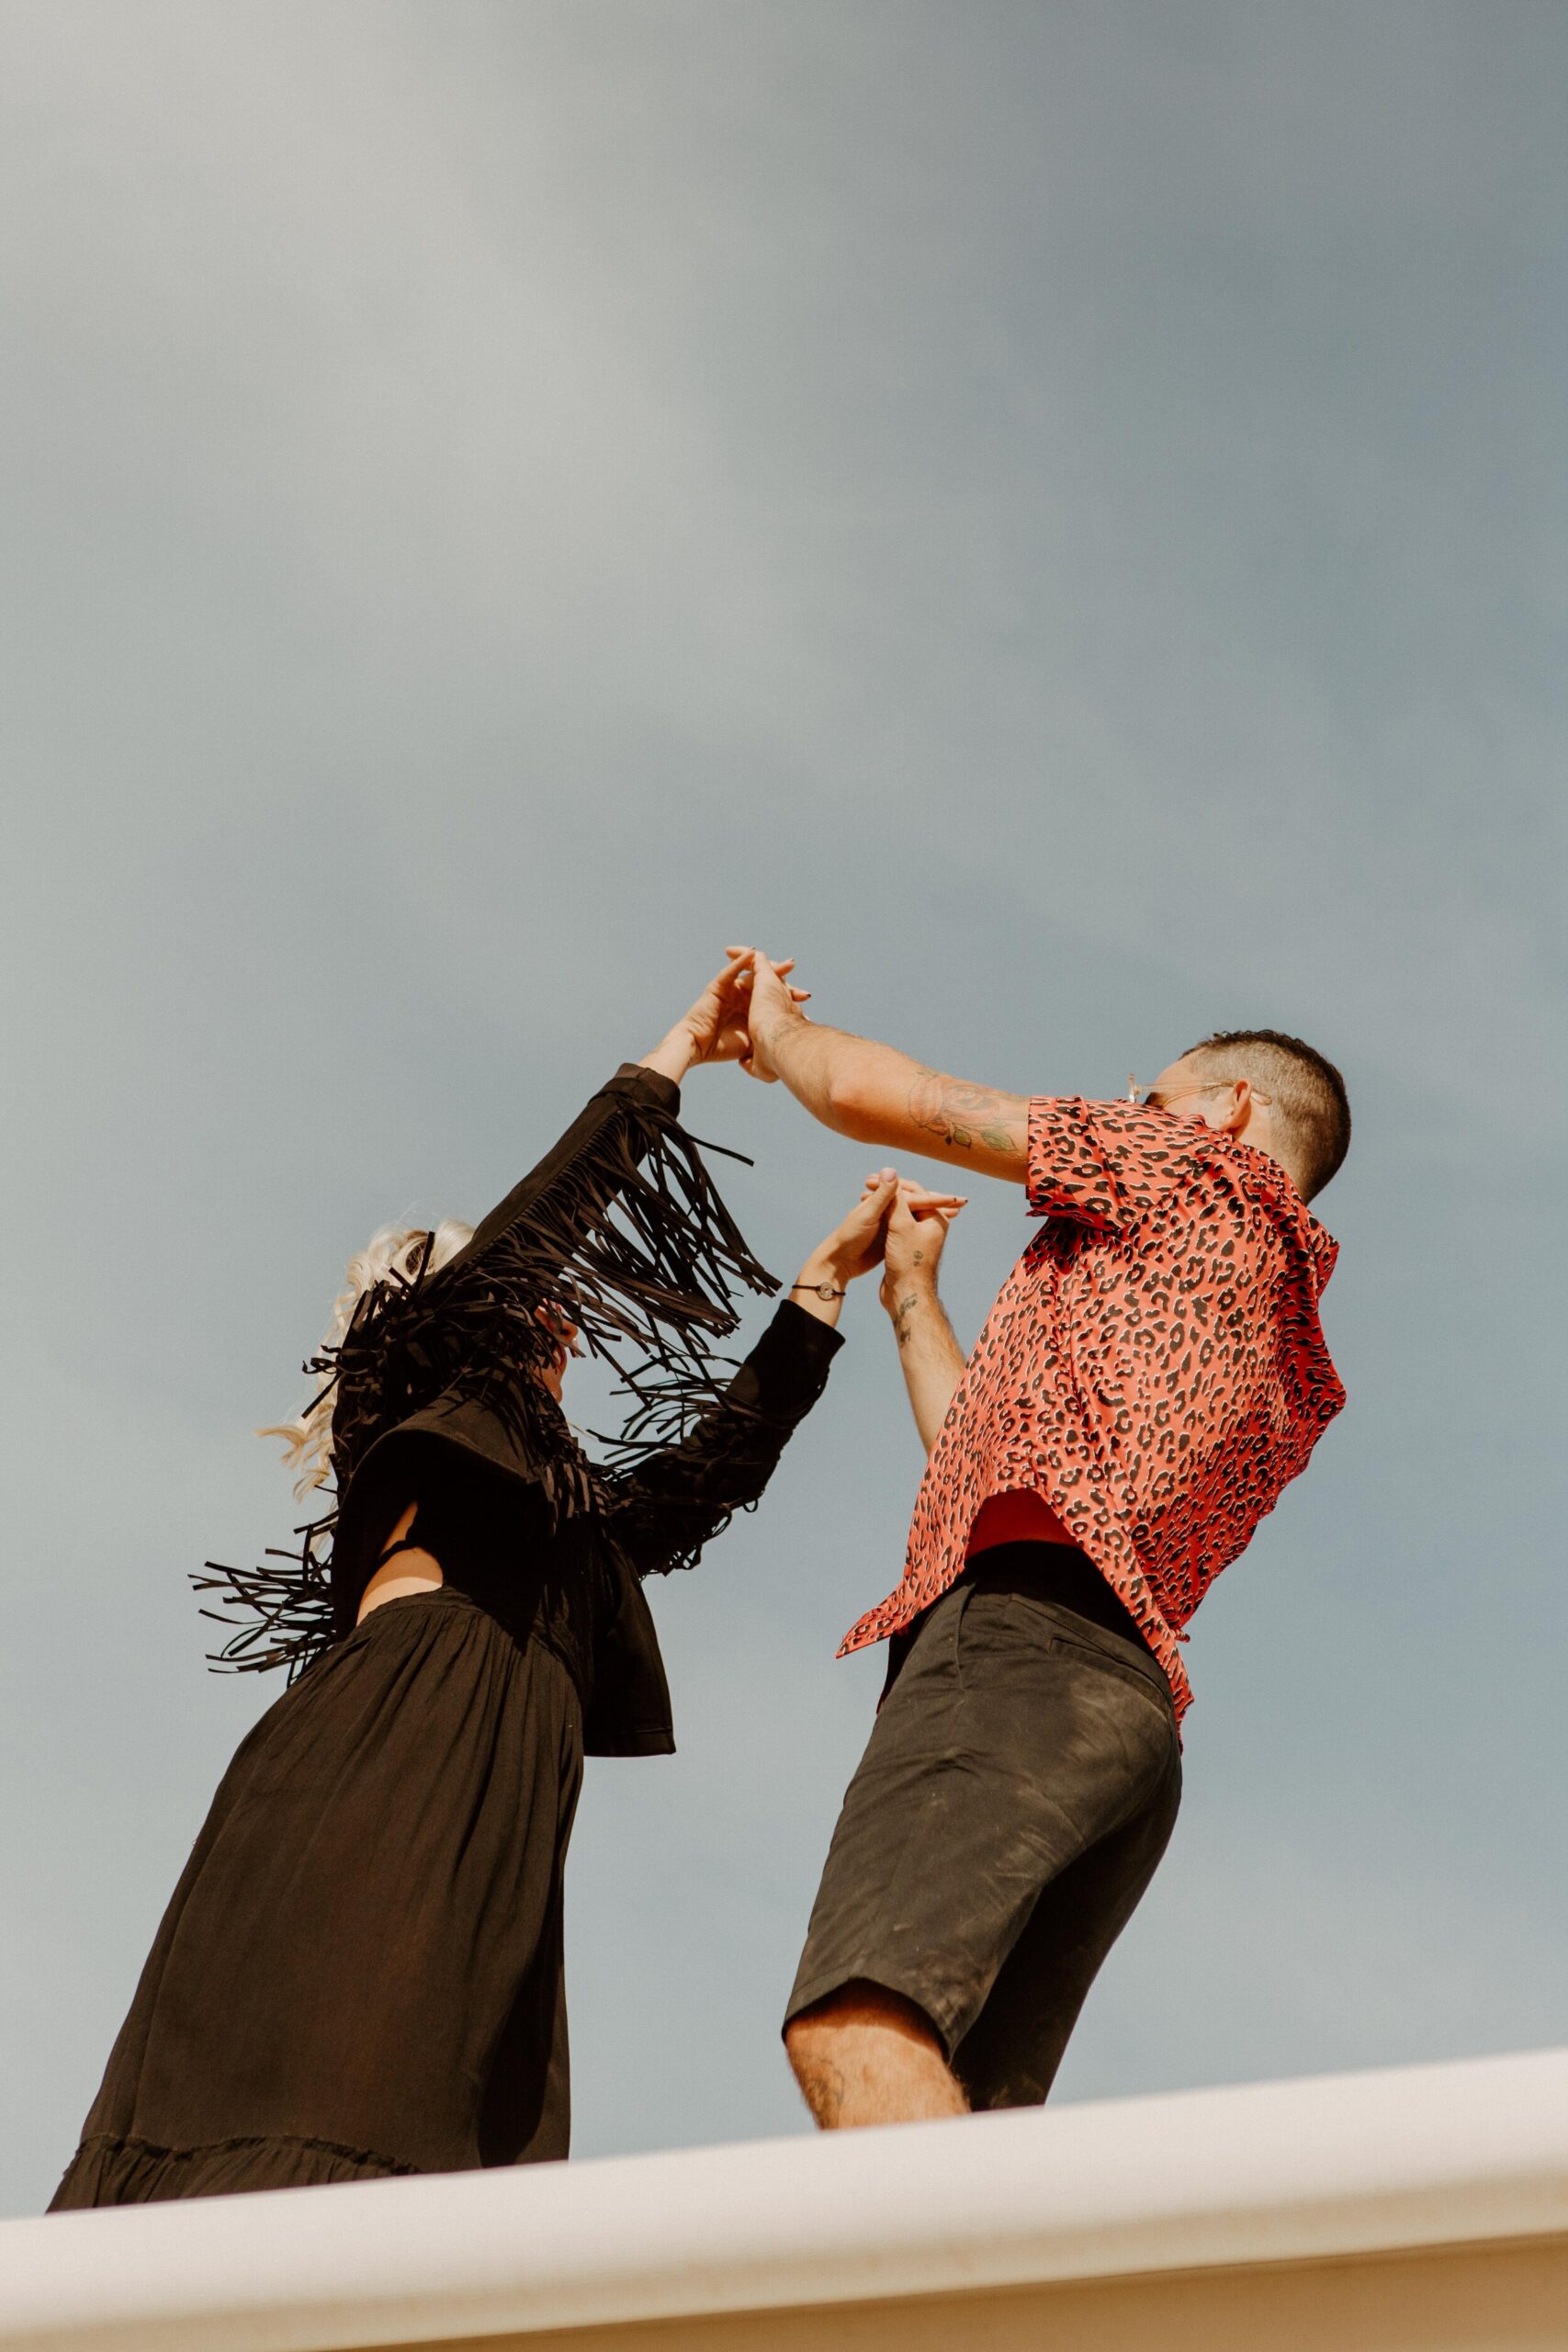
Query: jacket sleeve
x=680, y=1248
x=620, y=1229
x=652, y=1282
x=675, y=1500
x=576, y=1178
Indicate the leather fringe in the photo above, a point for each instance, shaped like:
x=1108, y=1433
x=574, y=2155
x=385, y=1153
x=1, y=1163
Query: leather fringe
x=631, y=1242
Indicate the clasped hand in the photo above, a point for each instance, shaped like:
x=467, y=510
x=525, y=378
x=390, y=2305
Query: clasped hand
x=717, y=1028
x=894, y=1221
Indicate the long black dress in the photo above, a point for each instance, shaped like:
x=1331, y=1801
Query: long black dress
x=360, y=1970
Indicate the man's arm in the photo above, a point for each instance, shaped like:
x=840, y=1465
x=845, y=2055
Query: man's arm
x=929, y=1353
x=877, y=1094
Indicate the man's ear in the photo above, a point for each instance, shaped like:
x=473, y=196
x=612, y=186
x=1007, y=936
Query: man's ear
x=1238, y=1108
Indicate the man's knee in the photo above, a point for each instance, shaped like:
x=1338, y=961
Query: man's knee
x=862, y=2054
x=861, y=2006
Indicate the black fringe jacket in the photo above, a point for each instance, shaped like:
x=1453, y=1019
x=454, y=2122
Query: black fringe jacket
x=620, y=1228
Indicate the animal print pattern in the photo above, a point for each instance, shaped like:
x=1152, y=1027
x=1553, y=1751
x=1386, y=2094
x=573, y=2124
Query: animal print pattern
x=1154, y=1366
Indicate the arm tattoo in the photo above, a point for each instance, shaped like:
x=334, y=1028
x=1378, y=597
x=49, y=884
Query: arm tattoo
x=905, y=1307
x=963, y=1114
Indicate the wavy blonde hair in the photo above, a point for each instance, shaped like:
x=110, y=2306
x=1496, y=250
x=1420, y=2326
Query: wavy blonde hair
x=396, y=1253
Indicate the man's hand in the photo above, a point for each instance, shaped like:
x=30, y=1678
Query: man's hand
x=771, y=1006
x=855, y=1245
x=931, y=1358
x=860, y=1241
x=714, y=1030
x=718, y=1024
x=916, y=1235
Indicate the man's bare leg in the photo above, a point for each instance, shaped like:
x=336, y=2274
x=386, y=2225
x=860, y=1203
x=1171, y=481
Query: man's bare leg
x=865, y=2056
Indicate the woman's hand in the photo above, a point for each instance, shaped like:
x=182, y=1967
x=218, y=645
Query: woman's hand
x=857, y=1243
x=714, y=1030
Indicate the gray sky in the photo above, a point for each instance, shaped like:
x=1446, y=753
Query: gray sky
x=1053, y=514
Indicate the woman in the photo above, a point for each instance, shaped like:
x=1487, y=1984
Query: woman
x=360, y=1973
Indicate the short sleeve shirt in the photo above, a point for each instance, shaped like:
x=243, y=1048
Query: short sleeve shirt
x=1154, y=1366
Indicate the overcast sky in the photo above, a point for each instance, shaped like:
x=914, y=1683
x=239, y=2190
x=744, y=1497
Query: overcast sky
x=1054, y=514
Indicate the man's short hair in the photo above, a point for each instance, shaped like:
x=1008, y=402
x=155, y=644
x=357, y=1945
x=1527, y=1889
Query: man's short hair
x=1309, y=1097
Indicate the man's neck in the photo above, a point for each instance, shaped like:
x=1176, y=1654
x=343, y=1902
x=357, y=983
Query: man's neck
x=1264, y=1142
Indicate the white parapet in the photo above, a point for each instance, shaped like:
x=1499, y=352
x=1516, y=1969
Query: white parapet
x=1261, y=2216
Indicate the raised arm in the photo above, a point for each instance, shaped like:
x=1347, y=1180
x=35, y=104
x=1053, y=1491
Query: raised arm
x=650, y=1287
x=679, y=1498
x=877, y=1094
x=566, y=1196
x=929, y=1354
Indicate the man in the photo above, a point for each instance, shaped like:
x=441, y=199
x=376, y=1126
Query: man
x=1152, y=1374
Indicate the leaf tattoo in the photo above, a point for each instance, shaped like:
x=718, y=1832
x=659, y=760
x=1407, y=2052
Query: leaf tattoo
x=963, y=1114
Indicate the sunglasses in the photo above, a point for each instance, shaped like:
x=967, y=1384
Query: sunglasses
x=1146, y=1098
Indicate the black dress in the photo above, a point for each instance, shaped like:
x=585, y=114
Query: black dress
x=360, y=1971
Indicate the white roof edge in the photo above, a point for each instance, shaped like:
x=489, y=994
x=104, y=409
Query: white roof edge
x=1294, y=2171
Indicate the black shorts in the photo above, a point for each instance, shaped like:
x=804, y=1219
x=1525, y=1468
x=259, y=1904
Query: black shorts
x=1020, y=1787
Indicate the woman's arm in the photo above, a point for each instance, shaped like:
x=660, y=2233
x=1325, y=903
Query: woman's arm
x=679, y=1498
x=929, y=1353
x=570, y=1188
x=654, y=1281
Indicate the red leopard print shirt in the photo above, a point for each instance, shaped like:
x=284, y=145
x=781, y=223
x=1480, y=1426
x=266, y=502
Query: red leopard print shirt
x=1152, y=1367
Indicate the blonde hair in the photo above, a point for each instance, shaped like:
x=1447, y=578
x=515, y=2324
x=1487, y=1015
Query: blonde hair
x=396, y=1255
